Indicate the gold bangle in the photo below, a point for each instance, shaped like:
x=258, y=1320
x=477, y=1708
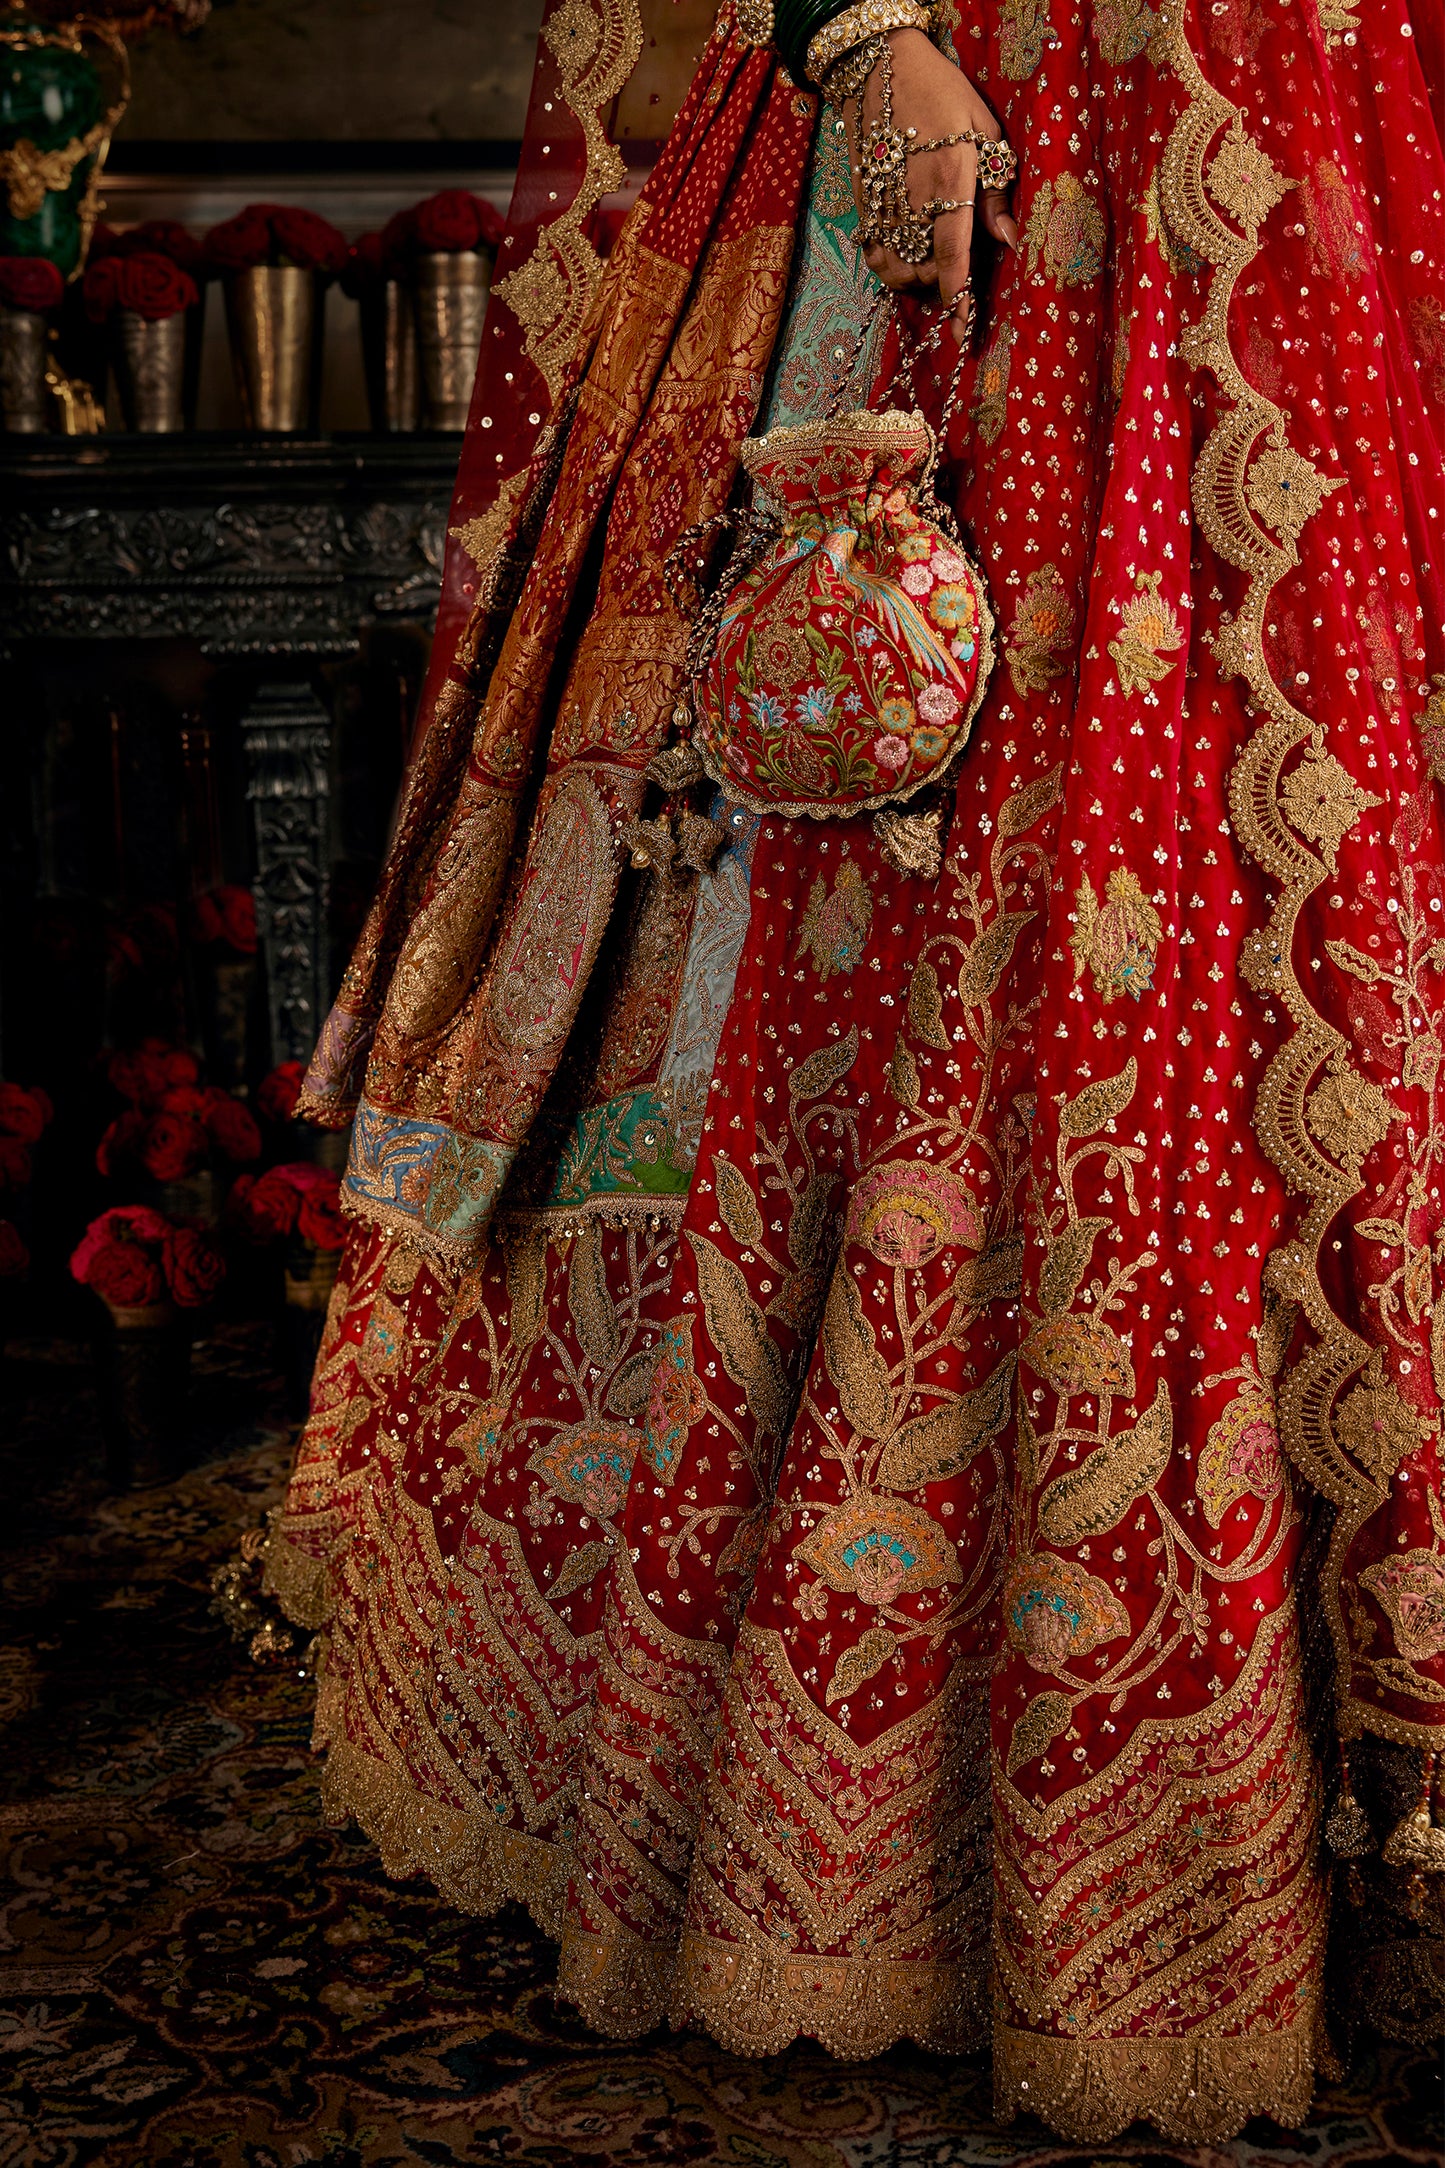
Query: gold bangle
x=867, y=19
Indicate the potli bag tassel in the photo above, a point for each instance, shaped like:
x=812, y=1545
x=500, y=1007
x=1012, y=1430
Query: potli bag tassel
x=1417, y=1844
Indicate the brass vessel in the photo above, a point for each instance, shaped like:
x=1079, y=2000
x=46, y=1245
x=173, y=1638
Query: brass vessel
x=22, y=371
x=274, y=315
x=389, y=358
x=150, y=363
x=451, y=304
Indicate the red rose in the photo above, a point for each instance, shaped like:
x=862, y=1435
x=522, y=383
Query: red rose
x=154, y=286
x=450, y=221
x=166, y=237
x=175, y=1145
x=177, y=1066
x=280, y=1091
x=311, y=243
x=24, y=1113
x=124, y=1223
x=119, y=1140
x=30, y=282
x=14, y=1257
x=266, y=1208
x=364, y=269
x=194, y=1267
x=228, y=914
x=14, y=1163
x=126, y=1275
x=100, y=286
x=242, y=242
x=320, y=1219
x=233, y=1128
x=193, y=1099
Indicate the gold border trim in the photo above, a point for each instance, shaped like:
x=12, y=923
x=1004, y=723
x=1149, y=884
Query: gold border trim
x=596, y=44
x=1199, y=2089
x=1231, y=526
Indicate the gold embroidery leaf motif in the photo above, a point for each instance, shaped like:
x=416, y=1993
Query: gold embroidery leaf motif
x=990, y=395
x=1086, y=1113
x=1065, y=1263
x=863, y=1661
x=1145, y=650
x=925, y=1007
x=1090, y=1500
x=1041, y=638
x=740, y=1334
x=934, y=1448
x=987, y=957
x=854, y=1363
x=589, y=1301
x=736, y=1204
x=1042, y=1721
x=1116, y=940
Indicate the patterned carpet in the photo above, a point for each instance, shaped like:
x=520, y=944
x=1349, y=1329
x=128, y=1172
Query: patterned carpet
x=195, y=1971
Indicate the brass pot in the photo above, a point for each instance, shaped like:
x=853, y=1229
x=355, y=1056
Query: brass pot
x=451, y=305
x=22, y=371
x=275, y=318
x=150, y=364
x=389, y=358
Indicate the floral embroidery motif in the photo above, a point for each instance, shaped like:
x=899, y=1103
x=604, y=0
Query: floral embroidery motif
x=879, y=1548
x=1149, y=635
x=675, y=1402
x=990, y=396
x=905, y=1211
x=590, y=1466
x=1024, y=31
x=1348, y=1115
x=1123, y=29
x=1333, y=222
x=1284, y=489
x=1375, y=1424
x=1410, y=1590
x=1117, y=940
x=1323, y=800
x=834, y=931
x=1243, y=178
x=1241, y=1457
x=1055, y=1610
x=1041, y=638
x=1431, y=726
x=1066, y=229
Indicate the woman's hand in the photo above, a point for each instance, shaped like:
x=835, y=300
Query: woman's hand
x=933, y=98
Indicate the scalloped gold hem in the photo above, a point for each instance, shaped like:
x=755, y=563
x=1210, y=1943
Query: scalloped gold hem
x=300, y=1582
x=756, y=2000
x=476, y=1864
x=621, y=1984
x=1197, y=2090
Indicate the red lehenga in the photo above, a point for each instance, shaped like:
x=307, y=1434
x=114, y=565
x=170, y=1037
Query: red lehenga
x=857, y=1404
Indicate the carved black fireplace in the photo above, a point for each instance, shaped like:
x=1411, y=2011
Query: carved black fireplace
x=212, y=647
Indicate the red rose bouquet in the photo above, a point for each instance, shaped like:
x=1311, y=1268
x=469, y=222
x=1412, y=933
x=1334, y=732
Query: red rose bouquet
x=173, y=1128
x=280, y=1091
x=30, y=282
x=134, y=1258
x=144, y=1074
x=446, y=224
x=226, y=917
x=273, y=233
x=24, y=1113
x=151, y=284
x=299, y=1199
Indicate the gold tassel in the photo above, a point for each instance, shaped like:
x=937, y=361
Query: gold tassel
x=1415, y=1843
x=1347, y=1826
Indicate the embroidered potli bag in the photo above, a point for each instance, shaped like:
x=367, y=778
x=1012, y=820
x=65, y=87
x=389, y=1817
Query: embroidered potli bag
x=839, y=665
